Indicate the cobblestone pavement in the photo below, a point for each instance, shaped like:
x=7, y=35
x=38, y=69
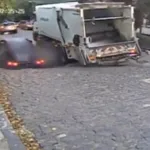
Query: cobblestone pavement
x=75, y=108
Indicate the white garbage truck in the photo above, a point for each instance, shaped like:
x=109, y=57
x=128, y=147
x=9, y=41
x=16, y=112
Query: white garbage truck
x=89, y=33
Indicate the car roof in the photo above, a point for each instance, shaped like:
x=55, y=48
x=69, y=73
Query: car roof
x=8, y=22
x=23, y=20
x=20, y=48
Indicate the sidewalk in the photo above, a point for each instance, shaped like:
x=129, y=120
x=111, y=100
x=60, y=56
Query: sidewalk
x=13, y=134
x=8, y=138
x=3, y=142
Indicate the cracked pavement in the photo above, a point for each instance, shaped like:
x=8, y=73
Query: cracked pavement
x=76, y=108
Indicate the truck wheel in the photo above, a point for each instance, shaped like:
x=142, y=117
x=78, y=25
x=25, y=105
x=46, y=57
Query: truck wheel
x=26, y=28
x=54, y=55
x=35, y=36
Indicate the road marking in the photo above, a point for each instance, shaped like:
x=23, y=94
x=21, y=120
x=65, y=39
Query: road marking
x=146, y=105
x=146, y=80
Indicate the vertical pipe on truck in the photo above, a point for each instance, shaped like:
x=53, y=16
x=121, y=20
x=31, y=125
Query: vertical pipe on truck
x=133, y=21
x=83, y=24
x=58, y=22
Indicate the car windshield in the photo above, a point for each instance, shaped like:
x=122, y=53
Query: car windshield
x=8, y=24
x=23, y=51
x=23, y=21
x=29, y=22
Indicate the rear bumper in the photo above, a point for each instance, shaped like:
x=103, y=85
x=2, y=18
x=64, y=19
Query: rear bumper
x=114, y=57
x=114, y=52
x=10, y=30
x=30, y=27
x=30, y=65
x=24, y=66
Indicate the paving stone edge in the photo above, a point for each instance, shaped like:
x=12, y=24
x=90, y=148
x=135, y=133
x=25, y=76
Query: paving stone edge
x=7, y=134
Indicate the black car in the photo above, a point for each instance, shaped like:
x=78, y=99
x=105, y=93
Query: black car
x=18, y=52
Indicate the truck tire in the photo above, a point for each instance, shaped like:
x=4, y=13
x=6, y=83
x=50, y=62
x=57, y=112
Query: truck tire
x=54, y=55
x=35, y=36
x=15, y=31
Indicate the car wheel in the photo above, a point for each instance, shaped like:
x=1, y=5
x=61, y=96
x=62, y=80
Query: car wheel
x=26, y=28
x=15, y=31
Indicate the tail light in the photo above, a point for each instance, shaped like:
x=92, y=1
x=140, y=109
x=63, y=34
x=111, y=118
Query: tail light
x=40, y=62
x=12, y=64
x=92, y=57
x=2, y=27
x=132, y=51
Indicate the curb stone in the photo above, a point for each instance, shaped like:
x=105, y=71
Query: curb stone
x=8, y=138
x=3, y=142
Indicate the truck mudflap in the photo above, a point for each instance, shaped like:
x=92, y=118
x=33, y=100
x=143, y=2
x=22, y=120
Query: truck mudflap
x=114, y=52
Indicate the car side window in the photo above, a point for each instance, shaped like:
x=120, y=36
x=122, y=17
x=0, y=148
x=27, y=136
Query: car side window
x=2, y=50
x=34, y=18
x=22, y=22
x=2, y=47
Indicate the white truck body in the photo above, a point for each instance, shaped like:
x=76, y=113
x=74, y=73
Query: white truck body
x=91, y=29
x=47, y=19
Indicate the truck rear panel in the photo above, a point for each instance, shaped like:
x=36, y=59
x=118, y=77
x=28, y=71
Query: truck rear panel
x=129, y=48
x=103, y=24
